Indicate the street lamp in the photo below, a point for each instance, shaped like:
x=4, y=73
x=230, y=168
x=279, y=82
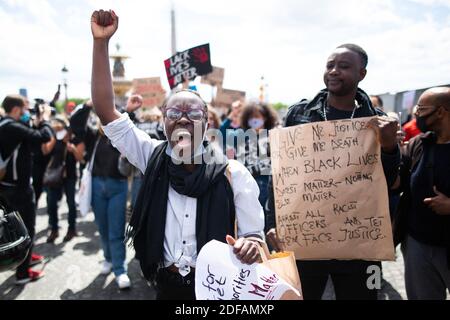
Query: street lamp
x=64, y=71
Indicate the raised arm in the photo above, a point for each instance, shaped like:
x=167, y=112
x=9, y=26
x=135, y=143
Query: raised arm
x=103, y=25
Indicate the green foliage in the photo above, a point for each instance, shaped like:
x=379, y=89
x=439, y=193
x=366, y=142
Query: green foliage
x=60, y=104
x=280, y=106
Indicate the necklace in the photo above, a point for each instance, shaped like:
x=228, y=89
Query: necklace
x=353, y=113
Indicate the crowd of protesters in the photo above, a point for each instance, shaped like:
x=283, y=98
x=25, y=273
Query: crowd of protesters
x=128, y=144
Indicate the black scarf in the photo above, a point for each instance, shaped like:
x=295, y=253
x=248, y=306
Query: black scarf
x=215, y=206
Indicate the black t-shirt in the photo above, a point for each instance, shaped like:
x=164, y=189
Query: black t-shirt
x=424, y=224
x=57, y=158
x=336, y=114
x=40, y=161
x=106, y=160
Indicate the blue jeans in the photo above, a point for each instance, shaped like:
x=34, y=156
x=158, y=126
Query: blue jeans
x=54, y=195
x=263, y=183
x=109, y=199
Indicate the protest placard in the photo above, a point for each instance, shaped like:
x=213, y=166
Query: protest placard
x=150, y=89
x=219, y=275
x=330, y=191
x=215, y=78
x=188, y=64
x=225, y=97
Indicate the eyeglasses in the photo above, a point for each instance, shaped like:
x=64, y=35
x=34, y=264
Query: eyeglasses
x=195, y=115
x=420, y=110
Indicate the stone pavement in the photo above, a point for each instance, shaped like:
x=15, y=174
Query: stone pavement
x=73, y=269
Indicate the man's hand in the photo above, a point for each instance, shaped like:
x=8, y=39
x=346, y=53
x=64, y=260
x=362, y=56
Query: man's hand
x=71, y=147
x=439, y=204
x=104, y=24
x=89, y=103
x=46, y=113
x=134, y=102
x=274, y=241
x=246, y=250
x=386, y=129
x=231, y=153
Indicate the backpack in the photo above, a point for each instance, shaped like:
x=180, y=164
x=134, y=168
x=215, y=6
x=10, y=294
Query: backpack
x=4, y=162
x=15, y=241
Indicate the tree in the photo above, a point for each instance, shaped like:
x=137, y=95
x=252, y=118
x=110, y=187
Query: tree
x=60, y=105
x=280, y=106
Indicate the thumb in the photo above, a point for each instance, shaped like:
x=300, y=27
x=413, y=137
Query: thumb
x=230, y=240
x=437, y=191
x=115, y=18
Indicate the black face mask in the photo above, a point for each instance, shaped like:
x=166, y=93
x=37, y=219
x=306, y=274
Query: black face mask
x=422, y=122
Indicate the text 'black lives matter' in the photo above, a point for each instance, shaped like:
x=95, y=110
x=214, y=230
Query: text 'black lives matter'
x=186, y=65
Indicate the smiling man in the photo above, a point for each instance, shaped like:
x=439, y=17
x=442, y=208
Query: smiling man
x=342, y=99
x=183, y=203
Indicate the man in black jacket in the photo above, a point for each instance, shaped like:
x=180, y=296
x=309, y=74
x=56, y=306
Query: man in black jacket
x=16, y=141
x=426, y=185
x=342, y=99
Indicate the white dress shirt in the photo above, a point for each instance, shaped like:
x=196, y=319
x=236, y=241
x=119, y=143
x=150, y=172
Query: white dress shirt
x=180, y=244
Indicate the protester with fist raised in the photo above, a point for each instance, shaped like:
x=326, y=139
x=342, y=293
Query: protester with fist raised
x=184, y=201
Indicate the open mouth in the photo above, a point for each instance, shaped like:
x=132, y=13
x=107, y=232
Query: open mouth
x=183, y=138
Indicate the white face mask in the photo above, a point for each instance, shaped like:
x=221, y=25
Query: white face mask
x=255, y=123
x=61, y=134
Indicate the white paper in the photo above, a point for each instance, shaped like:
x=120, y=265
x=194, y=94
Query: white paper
x=219, y=275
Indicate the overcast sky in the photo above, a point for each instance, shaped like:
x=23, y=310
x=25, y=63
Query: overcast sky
x=286, y=41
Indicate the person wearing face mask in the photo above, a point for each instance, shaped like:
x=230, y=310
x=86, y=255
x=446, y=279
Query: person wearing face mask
x=410, y=128
x=41, y=154
x=425, y=203
x=16, y=142
x=67, y=150
x=109, y=199
x=214, y=124
x=255, y=152
x=230, y=128
x=185, y=201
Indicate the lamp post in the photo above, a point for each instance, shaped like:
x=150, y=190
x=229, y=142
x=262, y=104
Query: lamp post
x=64, y=71
x=261, y=91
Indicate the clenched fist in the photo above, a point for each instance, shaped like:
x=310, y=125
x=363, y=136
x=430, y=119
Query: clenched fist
x=386, y=129
x=134, y=102
x=104, y=24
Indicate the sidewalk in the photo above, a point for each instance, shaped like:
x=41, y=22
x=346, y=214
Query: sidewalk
x=73, y=269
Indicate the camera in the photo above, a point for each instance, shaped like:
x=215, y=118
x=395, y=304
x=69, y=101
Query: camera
x=38, y=104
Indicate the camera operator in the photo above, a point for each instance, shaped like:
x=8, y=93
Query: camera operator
x=16, y=140
x=41, y=153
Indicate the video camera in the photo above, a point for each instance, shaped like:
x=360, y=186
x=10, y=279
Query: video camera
x=38, y=102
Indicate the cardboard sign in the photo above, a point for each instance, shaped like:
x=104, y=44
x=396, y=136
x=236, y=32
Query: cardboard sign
x=215, y=78
x=219, y=275
x=225, y=97
x=151, y=91
x=330, y=191
x=187, y=65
